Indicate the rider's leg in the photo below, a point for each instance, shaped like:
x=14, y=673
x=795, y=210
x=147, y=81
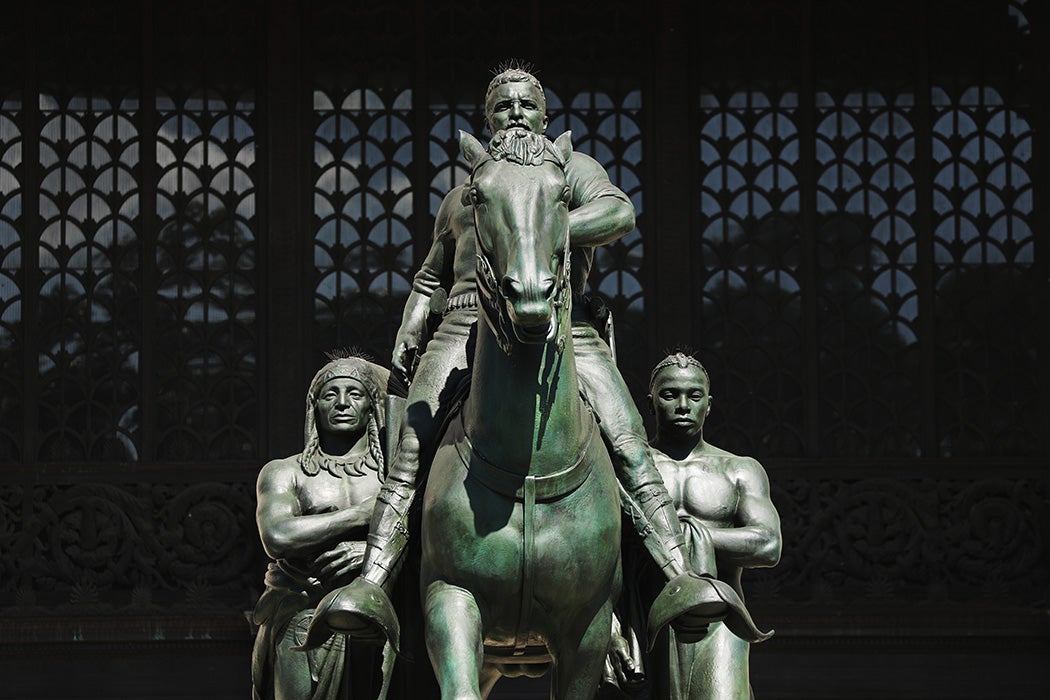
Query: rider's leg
x=654, y=514
x=440, y=370
x=453, y=630
x=622, y=427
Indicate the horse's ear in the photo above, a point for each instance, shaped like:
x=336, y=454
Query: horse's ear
x=471, y=148
x=563, y=144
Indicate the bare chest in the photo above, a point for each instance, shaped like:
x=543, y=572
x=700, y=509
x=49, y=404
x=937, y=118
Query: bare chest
x=701, y=488
x=325, y=493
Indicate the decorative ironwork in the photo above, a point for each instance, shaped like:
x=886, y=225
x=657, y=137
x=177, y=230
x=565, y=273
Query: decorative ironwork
x=363, y=201
x=609, y=131
x=96, y=548
x=922, y=538
x=867, y=274
x=89, y=298
x=984, y=250
x=207, y=350
x=11, y=226
x=364, y=170
x=749, y=196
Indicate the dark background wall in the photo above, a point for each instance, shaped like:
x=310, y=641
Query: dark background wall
x=841, y=209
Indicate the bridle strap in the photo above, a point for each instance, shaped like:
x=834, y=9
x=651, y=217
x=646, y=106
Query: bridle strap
x=491, y=299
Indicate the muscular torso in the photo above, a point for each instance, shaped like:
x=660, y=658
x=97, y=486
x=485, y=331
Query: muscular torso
x=325, y=493
x=702, y=486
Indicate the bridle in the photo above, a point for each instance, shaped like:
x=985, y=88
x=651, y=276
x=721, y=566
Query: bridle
x=494, y=302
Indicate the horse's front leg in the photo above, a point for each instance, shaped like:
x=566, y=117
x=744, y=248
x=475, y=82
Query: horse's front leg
x=579, y=655
x=454, y=640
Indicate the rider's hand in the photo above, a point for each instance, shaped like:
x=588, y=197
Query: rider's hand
x=405, y=347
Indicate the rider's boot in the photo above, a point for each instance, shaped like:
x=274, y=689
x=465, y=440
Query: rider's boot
x=656, y=521
x=387, y=533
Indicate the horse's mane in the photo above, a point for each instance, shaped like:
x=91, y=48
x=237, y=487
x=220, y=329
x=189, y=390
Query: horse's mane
x=523, y=147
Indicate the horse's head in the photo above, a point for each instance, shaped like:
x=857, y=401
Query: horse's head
x=520, y=199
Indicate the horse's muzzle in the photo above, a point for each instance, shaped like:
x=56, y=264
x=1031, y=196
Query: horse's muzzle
x=539, y=333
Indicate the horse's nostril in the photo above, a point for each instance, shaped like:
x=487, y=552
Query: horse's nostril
x=511, y=289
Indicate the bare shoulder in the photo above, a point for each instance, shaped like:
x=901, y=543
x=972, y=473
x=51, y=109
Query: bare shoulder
x=659, y=457
x=278, y=472
x=666, y=466
x=748, y=471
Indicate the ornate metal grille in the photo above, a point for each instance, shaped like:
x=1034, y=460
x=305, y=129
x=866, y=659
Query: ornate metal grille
x=750, y=244
x=609, y=130
x=89, y=295
x=207, y=357
x=363, y=207
x=866, y=260
x=363, y=169
x=984, y=254
x=11, y=348
x=751, y=296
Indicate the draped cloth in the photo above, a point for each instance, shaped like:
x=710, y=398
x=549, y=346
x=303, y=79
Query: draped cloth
x=283, y=613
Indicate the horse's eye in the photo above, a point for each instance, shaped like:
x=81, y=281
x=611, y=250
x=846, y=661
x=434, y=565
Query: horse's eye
x=475, y=196
x=566, y=194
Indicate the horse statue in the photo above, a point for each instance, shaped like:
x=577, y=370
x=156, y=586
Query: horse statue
x=521, y=515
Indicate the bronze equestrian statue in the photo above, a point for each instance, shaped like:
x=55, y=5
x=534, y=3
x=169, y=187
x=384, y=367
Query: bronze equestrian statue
x=521, y=523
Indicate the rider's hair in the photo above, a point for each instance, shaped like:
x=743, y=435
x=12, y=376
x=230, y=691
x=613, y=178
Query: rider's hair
x=678, y=359
x=512, y=71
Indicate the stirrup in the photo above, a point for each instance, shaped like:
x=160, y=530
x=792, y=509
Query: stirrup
x=361, y=610
x=702, y=600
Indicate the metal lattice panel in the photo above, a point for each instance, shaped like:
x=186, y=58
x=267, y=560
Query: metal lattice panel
x=11, y=224
x=363, y=170
x=867, y=273
x=363, y=203
x=85, y=225
x=207, y=361
x=608, y=129
x=749, y=198
x=984, y=254
x=931, y=538
x=100, y=547
x=88, y=256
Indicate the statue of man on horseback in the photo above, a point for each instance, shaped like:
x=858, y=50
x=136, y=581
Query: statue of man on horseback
x=527, y=283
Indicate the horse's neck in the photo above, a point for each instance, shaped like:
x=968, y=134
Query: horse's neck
x=524, y=413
